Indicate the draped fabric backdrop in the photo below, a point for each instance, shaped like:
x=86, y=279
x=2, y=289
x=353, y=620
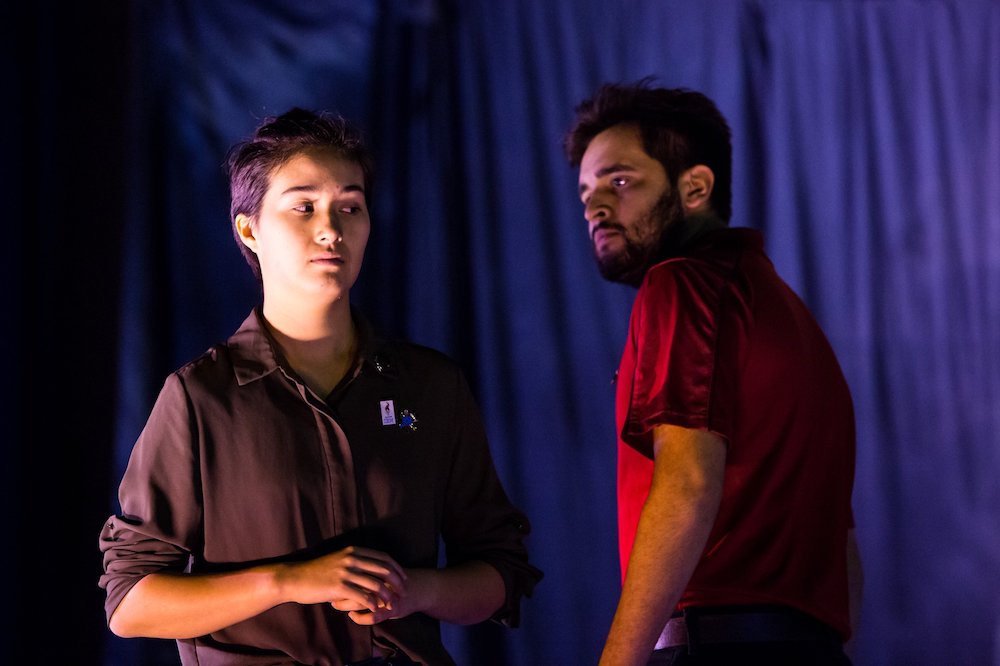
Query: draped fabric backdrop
x=866, y=149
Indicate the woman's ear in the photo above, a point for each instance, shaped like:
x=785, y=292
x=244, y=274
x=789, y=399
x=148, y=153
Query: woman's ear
x=244, y=230
x=695, y=187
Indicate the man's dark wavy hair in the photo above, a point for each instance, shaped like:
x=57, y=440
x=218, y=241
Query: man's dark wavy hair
x=250, y=163
x=679, y=127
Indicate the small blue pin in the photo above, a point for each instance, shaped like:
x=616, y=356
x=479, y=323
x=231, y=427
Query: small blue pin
x=407, y=419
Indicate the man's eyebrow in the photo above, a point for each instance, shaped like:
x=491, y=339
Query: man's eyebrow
x=611, y=168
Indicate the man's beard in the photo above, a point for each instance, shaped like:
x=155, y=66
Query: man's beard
x=654, y=237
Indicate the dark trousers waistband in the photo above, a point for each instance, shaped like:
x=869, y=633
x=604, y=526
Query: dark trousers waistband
x=707, y=626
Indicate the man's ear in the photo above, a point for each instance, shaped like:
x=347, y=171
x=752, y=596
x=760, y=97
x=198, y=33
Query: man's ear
x=695, y=187
x=244, y=230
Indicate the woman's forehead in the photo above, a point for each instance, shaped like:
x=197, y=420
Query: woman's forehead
x=317, y=167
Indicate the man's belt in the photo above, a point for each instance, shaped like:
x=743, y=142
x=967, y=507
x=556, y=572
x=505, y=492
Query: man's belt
x=704, y=626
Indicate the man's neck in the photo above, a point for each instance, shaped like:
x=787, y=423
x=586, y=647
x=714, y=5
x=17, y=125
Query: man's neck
x=679, y=238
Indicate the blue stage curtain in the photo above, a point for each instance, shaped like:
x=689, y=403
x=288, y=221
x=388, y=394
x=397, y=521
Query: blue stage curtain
x=866, y=149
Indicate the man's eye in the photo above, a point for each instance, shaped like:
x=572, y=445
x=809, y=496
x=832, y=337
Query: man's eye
x=619, y=181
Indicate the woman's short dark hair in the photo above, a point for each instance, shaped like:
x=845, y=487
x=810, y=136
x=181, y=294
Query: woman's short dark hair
x=250, y=163
x=679, y=127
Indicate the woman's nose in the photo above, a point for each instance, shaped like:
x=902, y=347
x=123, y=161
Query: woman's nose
x=330, y=230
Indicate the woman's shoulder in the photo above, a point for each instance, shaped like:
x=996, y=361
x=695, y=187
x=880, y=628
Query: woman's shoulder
x=413, y=357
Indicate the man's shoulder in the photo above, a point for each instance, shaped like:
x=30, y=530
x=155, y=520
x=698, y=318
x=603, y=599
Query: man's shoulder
x=717, y=258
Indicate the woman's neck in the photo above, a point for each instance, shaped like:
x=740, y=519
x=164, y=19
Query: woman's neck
x=319, y=343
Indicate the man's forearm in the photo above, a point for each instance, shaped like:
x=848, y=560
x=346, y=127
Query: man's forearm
x=673, y=529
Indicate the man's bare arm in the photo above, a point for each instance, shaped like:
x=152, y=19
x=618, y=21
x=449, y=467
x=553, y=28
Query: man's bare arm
x=673, y=530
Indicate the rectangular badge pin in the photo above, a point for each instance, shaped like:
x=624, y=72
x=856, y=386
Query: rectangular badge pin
x=388, y=412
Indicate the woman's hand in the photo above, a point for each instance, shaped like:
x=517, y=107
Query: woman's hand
x=354, y=579
x=463, y=594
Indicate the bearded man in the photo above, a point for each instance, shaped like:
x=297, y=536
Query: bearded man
x=736, y=437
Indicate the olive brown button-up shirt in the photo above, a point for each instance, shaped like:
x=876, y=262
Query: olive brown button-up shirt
x=241, y=464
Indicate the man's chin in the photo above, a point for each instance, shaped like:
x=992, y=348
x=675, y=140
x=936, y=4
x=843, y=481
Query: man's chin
x=620, y=269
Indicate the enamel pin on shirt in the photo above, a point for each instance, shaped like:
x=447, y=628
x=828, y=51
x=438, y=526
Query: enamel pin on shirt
x=388, y=412
x=408, y=420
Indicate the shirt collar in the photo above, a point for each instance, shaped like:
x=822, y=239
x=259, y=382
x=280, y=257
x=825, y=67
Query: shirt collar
x=255, y=354
x=252, y=350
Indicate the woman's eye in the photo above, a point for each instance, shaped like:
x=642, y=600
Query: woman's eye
x=305, y=207
x=351, y=210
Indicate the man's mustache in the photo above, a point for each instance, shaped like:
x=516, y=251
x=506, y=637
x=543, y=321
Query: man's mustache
x=607, y=225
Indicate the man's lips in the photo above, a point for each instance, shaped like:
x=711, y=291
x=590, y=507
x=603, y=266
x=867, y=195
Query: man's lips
x=604, y=232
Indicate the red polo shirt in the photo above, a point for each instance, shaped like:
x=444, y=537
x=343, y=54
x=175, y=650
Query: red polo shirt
x=717, y=341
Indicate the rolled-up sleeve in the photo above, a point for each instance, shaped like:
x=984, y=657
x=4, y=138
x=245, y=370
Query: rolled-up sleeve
x=480, y=523
x=160, y=517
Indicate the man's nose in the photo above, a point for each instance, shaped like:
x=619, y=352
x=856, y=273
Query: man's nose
x=596, y=209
